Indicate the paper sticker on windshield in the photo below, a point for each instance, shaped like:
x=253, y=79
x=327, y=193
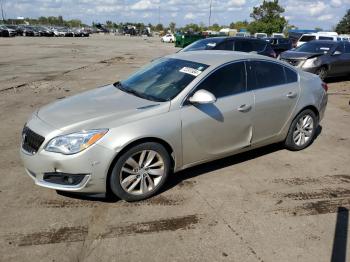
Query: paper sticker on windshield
x=190, y=71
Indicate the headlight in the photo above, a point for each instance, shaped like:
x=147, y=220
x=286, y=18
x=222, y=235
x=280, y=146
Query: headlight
x=76, y=142
x=310, y=62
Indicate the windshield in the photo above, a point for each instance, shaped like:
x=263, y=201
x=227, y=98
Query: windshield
x=315, y=47
x=163, y=79
x=205, y=44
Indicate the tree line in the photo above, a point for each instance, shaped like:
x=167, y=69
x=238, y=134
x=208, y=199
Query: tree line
x=267, y=18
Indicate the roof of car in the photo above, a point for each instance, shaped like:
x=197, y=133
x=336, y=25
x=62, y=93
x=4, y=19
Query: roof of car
x=215, y=57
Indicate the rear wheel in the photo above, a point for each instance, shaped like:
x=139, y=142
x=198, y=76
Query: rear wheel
x=302, y=131
x=140, y=172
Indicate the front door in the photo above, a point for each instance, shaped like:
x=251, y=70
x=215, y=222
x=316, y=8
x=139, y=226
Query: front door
x=213, y=130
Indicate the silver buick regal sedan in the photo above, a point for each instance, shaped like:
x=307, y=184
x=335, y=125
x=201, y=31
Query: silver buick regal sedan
x=178, y=111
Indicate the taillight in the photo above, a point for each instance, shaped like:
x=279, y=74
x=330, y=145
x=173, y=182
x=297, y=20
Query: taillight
x=325, y=86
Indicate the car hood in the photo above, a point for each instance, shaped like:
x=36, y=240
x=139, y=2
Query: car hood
x=298, y=55
x=104, y=107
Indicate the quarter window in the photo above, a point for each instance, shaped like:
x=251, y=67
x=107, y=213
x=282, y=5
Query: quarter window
x=226, y=81
x=291, y=76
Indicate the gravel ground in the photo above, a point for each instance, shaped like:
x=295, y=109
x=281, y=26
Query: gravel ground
x=266, y=205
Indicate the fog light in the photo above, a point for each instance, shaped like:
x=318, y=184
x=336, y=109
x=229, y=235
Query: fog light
x=64, y=178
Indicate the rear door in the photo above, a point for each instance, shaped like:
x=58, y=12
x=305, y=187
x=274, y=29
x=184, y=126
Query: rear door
x=276, y=92
x=213, y=130
x=339, y=63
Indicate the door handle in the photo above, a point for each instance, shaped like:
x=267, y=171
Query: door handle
x=291, y=95
x=244, y=108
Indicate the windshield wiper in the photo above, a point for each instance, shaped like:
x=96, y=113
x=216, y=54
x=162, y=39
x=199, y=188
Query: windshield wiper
x=131, y=91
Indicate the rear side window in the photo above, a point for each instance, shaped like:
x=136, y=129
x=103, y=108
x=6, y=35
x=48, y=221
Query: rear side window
x=265, y=74
x=227, y=45
x=243, y=46
x=291, y=76
x=307, y=38
x=325, y=38
x=226, y=81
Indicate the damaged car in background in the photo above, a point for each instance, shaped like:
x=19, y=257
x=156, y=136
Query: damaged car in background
x=324, y=58
x=179, y=111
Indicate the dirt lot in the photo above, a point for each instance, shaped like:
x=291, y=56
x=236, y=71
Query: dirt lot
x=265, y=205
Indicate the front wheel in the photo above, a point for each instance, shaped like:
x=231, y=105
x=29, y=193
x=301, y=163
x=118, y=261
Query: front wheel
x=322, y=72
x=140, y=172
x=302, y=131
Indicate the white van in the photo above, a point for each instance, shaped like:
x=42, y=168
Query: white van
x=260, y=35
x=332, y=36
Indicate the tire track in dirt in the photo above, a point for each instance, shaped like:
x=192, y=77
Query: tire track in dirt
x=80, y=233
x=317, y=201
x=38, y=82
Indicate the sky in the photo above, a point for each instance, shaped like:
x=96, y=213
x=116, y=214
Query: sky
x=306, y=14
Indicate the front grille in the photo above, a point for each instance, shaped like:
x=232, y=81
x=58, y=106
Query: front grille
x=293, y=62
x=31, y=141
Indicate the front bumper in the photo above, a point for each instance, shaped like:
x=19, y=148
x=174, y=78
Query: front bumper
x=88, y=169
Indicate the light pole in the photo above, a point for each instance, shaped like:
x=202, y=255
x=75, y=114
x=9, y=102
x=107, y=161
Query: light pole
x=2, y=10
x=211, y=3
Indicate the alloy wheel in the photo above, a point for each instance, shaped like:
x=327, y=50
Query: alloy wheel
x=142, y=172
x=303, y=130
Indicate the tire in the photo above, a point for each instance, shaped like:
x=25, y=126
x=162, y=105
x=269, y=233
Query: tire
x=140, y=181
x=297, y=131
x=322, y=72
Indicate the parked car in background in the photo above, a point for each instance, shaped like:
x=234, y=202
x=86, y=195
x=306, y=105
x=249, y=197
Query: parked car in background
x=332, y=36
x=324, y=58
x=260, y=35
x=280, y=45
x=168, y=38
x=26, y=30
x=241, y=44
x=16, y=29
x=8, y=31
x=180, y=111
x=4, y=33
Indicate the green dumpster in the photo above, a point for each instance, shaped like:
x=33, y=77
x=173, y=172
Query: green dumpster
x=183, y=40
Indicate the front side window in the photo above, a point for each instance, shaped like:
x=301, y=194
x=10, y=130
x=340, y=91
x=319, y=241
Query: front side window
x=163, y=79
x=340, y=48
x=265, y=74
x=226, y=81
x=347, y=48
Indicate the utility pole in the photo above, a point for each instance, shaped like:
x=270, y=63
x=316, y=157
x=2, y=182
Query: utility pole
x=211, y=3
x=158, y=14
x=2, y=10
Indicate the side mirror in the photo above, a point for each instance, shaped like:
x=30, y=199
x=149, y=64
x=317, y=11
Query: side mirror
x=337, y=53
x=202, y=97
